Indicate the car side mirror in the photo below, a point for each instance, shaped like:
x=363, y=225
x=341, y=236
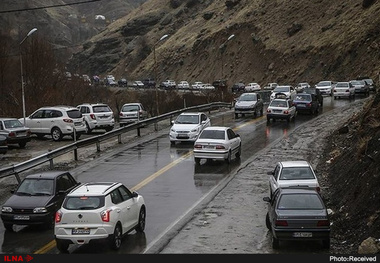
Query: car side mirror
x=270, y=173
x=172, y=122
x=266, y=199
x=135, y=194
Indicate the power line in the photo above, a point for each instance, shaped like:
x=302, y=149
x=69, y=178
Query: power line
x=49, y=6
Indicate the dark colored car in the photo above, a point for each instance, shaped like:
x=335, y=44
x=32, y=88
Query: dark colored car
x=317, y=92
x=122, y=82
x=370, y=83
x=149, y=83
x=37, y=198
x=361, y=86
x=297, y=214
x=3, y=144
x=15, y=131
x=238, y=87
x=220, y=84
x=305, y=102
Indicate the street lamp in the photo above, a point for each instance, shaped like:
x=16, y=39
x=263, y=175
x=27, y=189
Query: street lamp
x=22, y=74
x=155, y=70
x=222, y=48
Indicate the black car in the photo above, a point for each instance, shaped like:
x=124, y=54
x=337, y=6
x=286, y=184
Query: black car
x=220, y=84
x=297, y=214
x=307, y=103
x=122, y=82
x=3, y=144
x=37, y=198
x=238, y=87
x=149, y=83
x=317, y=92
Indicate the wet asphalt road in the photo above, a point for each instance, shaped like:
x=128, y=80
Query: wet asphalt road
x=174, y=188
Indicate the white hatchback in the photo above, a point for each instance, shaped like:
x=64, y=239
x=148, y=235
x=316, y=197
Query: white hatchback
x=188, y=126
x=98, y=211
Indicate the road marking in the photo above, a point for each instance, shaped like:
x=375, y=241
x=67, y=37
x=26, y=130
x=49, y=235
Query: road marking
x=46, y=248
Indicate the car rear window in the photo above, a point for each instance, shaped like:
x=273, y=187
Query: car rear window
x=212, y=134
x=101, y=108
x=127, y=108
x=83, y=202
x=296, y=173
x=303, y=97
x=75, y=114
x=300, y=202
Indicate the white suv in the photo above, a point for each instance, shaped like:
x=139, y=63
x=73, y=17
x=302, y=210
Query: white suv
x=97, y=116
x=57, y=121
x=98, y=211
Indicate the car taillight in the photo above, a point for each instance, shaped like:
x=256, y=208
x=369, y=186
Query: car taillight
x=323, y=223
x=12, y=134
x=268, y=110
x=92, y=116
x=308, y=104
x=120, y=114
x=318, y=189
x=286, y=112
x=220, y=147
x=68, y=120
x=198, y=146
x=58, y=216
x=281, y=223
x=105, y=215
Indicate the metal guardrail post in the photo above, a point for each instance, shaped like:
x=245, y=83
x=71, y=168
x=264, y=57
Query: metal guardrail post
x=119, y=138
x=76, y=154
x=98, y=146
x=18, y=177
x=138, y=132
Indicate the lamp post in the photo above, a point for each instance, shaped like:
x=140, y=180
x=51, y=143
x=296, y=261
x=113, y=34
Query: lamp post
x=155, y=70
x=222, y=48
x=22, y=74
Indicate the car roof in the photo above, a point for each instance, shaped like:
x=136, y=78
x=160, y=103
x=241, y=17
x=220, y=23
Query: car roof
x=219, y=128
x=61, y=107
x=191, y=113
x=46, y=174
x=94, y=188
x=93, y=104
x=299, y=163
x=7, y=118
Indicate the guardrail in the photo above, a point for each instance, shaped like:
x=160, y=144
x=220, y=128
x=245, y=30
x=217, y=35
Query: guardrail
x=16, y=169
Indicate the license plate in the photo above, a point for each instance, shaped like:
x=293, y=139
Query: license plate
x=182, y=136
x=80, y=231
x=302, y=234
x=21, y=217
x=301, y=105
x=77, y=123
x=209, y=147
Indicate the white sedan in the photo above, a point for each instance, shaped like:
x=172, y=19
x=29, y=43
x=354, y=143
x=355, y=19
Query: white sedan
x=298, y=173
x=253, y=86
x=217, y=142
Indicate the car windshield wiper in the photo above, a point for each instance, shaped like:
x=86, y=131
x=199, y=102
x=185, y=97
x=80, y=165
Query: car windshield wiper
x=40, y=194
x=23, y=193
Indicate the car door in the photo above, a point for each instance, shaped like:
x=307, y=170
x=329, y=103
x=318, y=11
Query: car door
x=205, y=121
x=273, y=179
x=33, y=122
x=292, y=108
x=130, y=209
x=234, y=140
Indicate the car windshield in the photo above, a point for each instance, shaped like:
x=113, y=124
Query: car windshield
x=296, y=173
x=83, y=202
x=357, y=82
x=9, y=124
x=324, y=83
x=127, y=108
x=212, y=134
x=187, y=119
x=248, y=97
x=303, y=97
x=36, y=187
x=278, y=103
x=101, y=109
x=300, y=202
x=282, y=89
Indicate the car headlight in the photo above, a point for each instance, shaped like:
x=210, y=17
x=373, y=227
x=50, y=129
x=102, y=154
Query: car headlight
x=6, y=209
x=172, y=130
x=39, y=210
x=194, y=130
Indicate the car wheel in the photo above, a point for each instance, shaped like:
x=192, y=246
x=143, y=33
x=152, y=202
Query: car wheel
x=238, y=154
x=56, y=134
x=326, y=243
x=116, y=238
x=22, y=144
x=236, y=115
x=334, y=97
x=62, y=245
x=197, y=160
x=141, y=224
x=88, y=129
x=268, y=119
x=40, y=136
x=262, y=111
x=228, y=159
x=8, y=227
x=267, y=222
x=275, y=242
x=77, y=136
x=109, y=129
x=172, y=142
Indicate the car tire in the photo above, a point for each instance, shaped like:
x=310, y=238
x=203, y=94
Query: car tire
x=8, y=227
x=56, y=134
x=275, y=242
x=76, y=137
x=116, y=238
x=22, y=144
x=262, y=111
x=172, y=143
x=267, y=222
x=88, y=129
x=236, y=115
x=141, y=224
x=109, y=129
x=326, y=243
x=197, y=160
x=40, y=136
x=62, y=245
x=228, y=159
x=238, y=154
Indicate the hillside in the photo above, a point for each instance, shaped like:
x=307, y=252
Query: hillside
x=275, y=41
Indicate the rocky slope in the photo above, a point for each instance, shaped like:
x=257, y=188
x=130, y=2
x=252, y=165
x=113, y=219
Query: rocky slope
x=274, y=41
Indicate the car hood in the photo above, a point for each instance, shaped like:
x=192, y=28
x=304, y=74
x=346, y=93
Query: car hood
x=184, y=127
x=245, y=103
x=17, y=201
